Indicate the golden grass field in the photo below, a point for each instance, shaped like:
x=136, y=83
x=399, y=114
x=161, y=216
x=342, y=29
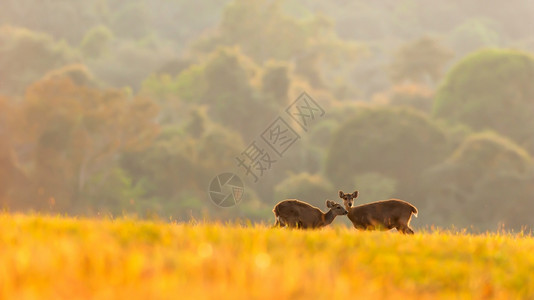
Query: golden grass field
x=43, y=257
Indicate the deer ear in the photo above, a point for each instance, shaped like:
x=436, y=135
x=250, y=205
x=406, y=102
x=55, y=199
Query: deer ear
x=355, y=194
x=341, y=194
x=329, y=203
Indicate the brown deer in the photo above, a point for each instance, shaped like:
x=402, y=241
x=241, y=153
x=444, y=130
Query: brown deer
x=297, y=214
x=379, y=215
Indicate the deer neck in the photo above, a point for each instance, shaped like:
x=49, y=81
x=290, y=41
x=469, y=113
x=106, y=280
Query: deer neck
x=328, y=217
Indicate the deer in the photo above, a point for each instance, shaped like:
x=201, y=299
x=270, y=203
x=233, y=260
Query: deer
x=379, y=215
x=298, y=214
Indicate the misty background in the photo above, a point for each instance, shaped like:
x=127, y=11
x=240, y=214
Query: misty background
x=132, y=107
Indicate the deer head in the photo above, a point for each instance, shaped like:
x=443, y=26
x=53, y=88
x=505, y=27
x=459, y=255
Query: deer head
x=348, y=199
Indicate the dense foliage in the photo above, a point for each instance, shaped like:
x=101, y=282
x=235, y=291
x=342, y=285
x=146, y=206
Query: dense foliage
x=134, y=106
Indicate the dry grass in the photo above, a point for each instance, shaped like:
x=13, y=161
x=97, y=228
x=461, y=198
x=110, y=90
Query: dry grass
x=53, y=257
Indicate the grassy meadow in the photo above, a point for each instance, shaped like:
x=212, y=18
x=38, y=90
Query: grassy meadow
x=52, y=257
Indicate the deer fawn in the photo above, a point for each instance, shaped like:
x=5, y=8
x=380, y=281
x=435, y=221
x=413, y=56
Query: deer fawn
x=297, y=214
x=381, y=215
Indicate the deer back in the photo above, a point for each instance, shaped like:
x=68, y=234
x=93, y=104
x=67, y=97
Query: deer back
x=305, y=213
x=381, y=212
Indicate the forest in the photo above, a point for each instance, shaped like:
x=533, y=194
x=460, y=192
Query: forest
x=132, y=108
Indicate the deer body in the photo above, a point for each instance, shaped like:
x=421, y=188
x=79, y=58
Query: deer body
x=380, y=215
x=297, y=214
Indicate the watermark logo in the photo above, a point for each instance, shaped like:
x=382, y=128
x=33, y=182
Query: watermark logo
x=280, y=136
x=264, y=151
x=226, y=190
x=256, y=159
x=305, y=110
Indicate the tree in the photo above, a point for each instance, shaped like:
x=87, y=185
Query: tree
x=129, y=62
x=131, y=21
x=409, y=94
x=396, y=143
x=232, y=99
x=255, y=26
x=263, y=31
x=479, y=156
x=26, y=55
x=227, y=84
x=503, y=201
x=420, y=61
x=374, y=186
x=12, y=178
x=111, y=190
x=491, y=89
x=79, y=74
x=308, y=66
x=96, y=41
x=54, y=18
x=176, y=169
x=474, y=34
x=276, y=82
x=457, y=190
x=76, y=132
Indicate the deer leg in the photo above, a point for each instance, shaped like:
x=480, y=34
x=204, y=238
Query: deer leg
x=278, y=223
x=283, y=222
x=405, y=224
x=359, y=226
x=405, y=229
x=302, y=225
x=292, y=223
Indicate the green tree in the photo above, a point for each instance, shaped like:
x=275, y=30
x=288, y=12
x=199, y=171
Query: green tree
x=12, y=177
x=396, y=143
x=474, y=34
x=131, y=21
x=55, y=18
x=232, y=99
x=26, y=56
x=411, y=95
x=502, y=201
x=129, y=62
x=188, y=86
x=276, y=82
x=308, y=66
x=174, y=66
x=228, y=84
x=373, y=186
x=79, y=74
x=481, y=155
x=456, y=189
x=420, y=61
x=75, y=132
x=96, y=42
x=264, y=32
x=255, y=26
x=176, y=169
x=491, y=89
x=112, y=191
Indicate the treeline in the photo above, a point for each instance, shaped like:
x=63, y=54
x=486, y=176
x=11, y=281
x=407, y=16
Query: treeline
x=141, y=103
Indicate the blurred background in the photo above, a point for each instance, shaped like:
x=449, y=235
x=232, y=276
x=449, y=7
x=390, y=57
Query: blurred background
x=118, y=108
